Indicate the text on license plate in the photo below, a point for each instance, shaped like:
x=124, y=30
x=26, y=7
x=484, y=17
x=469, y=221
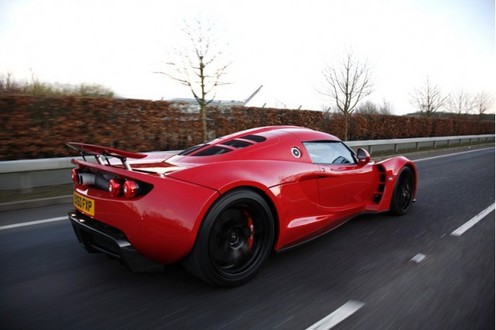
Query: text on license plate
x=84, y=204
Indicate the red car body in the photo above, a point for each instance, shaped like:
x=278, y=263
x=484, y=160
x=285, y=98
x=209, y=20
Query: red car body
x=154, y=206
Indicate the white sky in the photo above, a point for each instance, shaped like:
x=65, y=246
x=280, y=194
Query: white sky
x=283, y=45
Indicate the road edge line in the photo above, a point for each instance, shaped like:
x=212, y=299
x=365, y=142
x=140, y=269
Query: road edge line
x=449, y=155
x=32, y=223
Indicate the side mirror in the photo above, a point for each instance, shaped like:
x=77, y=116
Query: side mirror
x=363, y=157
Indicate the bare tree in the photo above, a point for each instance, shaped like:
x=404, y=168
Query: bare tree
x=367, y=108
x=385, y=108
x=483, y=102
x=346, y=84
x=8, y=85
x=371, y=108
x=460, y=103
x=428, y=99
x=199, y=66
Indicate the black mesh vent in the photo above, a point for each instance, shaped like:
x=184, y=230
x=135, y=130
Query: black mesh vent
x=224, y=147
x=254, y=138
x=215, y=150
x=237, y=143
x=381, y=186
x=191, y=150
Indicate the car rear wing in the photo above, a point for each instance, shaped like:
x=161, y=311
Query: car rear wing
x=100, y=153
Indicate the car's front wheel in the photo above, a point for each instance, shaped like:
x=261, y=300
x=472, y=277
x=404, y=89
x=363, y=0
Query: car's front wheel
x=234, y=240
x=403, y=192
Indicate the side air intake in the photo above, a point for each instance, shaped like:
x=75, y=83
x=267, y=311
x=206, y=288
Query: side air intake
x=382, y=184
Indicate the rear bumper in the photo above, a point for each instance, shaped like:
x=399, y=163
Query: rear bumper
x=97, y=237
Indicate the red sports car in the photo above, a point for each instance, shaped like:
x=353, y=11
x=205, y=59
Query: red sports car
x=222, y=207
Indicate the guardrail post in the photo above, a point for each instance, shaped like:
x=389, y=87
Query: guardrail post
x=25, y=182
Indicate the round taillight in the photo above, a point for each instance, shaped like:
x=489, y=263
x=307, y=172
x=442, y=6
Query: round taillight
x=74, y=176
x=130, y=189
x=114, y=188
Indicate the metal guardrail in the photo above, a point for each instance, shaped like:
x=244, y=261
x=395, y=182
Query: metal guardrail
x=418, y=143
x=27, y=174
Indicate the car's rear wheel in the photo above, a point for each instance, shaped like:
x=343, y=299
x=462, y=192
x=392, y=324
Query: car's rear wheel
x=403, y=192
x=234, y=240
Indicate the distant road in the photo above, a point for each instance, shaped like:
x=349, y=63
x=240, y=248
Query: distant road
x=375, y=272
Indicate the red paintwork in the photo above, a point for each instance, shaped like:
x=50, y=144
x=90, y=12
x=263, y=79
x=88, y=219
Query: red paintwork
x=307, y=199
x=91, y=148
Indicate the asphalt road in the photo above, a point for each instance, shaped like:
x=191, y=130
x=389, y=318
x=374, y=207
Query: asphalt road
x=360, y=276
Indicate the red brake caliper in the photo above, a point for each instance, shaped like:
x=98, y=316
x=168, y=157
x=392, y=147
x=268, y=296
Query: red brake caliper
x=252, y=229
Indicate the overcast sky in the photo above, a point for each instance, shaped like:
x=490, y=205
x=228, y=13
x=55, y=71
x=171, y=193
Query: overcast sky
x=283, y=45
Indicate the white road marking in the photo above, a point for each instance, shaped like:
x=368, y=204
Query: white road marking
x=32, y=223
x=337, y=316
x=449, y=155
x=469, y=224
x=418, y=258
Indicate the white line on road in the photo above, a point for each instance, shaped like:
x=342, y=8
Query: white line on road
x=418, y=258
x=469, y=224
x=31, y=223
x=337, y=316
x=449, y=155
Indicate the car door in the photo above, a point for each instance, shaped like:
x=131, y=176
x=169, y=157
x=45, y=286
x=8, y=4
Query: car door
x=344, y=185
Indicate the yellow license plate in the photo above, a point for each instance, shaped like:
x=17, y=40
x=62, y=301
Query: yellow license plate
x=84, y=204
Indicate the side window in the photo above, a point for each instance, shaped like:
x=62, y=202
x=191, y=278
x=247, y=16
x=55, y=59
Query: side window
x=329, y=152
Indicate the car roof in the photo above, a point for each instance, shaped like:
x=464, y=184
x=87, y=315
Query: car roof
x=261, y=142
x=270, y=132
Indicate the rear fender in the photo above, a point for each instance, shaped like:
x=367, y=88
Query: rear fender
x=163, y=223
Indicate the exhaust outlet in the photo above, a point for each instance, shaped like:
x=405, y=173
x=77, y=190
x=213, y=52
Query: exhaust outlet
x=87, y=179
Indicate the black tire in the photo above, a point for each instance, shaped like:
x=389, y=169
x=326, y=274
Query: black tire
x=402, y=198
x=234, y=240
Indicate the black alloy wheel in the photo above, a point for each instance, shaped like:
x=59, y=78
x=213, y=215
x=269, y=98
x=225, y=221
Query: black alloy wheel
x=402, y=198
x=234, y=240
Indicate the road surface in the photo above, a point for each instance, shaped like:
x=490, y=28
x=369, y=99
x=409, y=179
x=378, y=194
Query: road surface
x=375, y=272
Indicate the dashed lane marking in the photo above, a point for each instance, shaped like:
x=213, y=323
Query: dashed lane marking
x=418, y=258
x=472, y=222
x=337, y=316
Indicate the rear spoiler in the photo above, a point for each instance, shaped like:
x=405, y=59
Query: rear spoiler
x=98, y=152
